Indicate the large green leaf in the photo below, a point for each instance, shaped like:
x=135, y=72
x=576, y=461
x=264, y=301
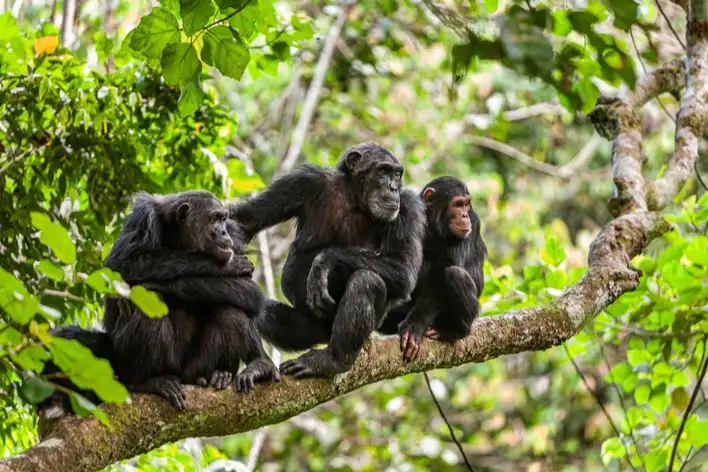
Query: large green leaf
x=83, y=407
x=224, y=49
x=236, y=4
x=35, y=390
x=86, y=371
x=179, y=62
x=625, y=11
x=154, y=32
x=195, y=14
x=15, y=300
x=32, y=358
x=192, y=95
x=525, y=43
x=246, y=21
x=51, y=270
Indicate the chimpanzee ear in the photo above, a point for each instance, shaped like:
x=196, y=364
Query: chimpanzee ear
x=352, y=160
x=182, y=212
x=428, y=195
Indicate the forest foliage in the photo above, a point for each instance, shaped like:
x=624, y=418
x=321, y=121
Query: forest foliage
x=178, y=100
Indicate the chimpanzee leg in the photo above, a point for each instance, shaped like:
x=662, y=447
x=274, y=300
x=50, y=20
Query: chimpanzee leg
x=148, y=352
x=243, y=343
x=358, y=313
x=290, y=329
x=461, y=306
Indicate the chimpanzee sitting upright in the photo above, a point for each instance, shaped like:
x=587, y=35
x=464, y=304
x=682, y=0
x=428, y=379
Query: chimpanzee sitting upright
x=445, y=300
x=185, y=247
x=359, y=233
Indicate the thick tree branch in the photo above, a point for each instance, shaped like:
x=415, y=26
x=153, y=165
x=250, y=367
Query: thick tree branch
x=84, y=444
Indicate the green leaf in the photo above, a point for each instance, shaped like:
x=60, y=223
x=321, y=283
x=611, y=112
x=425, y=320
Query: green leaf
x=32, y=358
x=697, y=432
x=618, y=373
x=195, y=14
x=35, y=390
x=235, y=4
x=491, y=5
x=56, y=237
x=612, y=449
x=241, y=181
x=246, y=21
x=679, y=398
x=40, y=220
x=154, y=32
x=104, y=46
x=642, y=394
x=224, y=49
x=552, y=252
x=659, y=400
x=171, y=5
x=83, y=407
x=191, y=97
x=526, y=45
x=15, y=300
x=557, y=279
x=102, y=280
x=625, y=12
x=148, y=302
x=51, y=270
x=638, y=357
x=179, y=62
x=87, y=371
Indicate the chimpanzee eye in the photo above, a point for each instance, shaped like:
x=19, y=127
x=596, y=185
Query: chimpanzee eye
x=382, y=172
x=398, y=174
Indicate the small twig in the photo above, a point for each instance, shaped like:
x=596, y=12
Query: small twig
x=599, y=401
x=687, y=413
x=668, y=22
x=313, y=93
x=698, y=175
x=449, y=427
x=64, y=294
x=514, y=153
x=21, y=156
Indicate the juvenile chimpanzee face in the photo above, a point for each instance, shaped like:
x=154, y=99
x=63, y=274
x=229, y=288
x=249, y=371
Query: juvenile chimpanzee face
x=203, y=222
x=447, y=202
x=378, y=175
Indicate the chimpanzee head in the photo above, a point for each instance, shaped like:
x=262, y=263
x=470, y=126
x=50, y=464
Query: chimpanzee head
x=447, y=203
x=376, y=174
x=194, y=220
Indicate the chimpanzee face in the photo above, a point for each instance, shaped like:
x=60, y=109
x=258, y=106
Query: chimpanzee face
x=203, y=221
x=447, y=203
x=378, y=175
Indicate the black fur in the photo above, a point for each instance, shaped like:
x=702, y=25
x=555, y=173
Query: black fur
x=180, y=253
x=356, y=254
x=451, y=278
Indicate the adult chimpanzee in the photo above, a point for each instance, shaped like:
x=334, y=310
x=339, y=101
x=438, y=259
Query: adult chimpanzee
x=357, y=251
x=445, y=300
x=184, y=247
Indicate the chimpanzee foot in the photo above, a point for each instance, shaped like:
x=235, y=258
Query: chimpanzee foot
x=168, y=387
x=315, y=363
x=256, y=371
x=219, y=380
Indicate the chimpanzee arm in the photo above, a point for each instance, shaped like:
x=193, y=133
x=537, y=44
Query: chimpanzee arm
x=138, y=266
x=241, y=292
x=399, y=258
x=475, y=253
x=284, y=199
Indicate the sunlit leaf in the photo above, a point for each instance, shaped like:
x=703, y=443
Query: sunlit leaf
x=148, y=302
x=83, y=407
x=32, y=358
x=246, y=21
x=154, y=32
x=224, y=49
x=191, y=96
x=51, y=270
x=179, y=62
x=195, y=14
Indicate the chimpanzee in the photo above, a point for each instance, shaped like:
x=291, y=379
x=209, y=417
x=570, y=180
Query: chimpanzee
x=58, y=404
x=445, y=300
x=356, y=254
x=184, y=247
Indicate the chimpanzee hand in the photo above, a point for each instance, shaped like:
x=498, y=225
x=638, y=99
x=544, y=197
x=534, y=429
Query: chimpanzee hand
x=318, y=297
x=239, y=266
x=411, y=337
x=257, y=370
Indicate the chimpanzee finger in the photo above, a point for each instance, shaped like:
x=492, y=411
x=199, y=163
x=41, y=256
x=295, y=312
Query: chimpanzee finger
x=430, y=331
x=251, y=383
x=275, y=375
x=411, y=349
x=202, y=382
x=404, y=340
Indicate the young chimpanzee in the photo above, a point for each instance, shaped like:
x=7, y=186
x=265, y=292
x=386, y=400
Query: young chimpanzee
x=184, y=247
x=445, y=300
x=357, y=251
